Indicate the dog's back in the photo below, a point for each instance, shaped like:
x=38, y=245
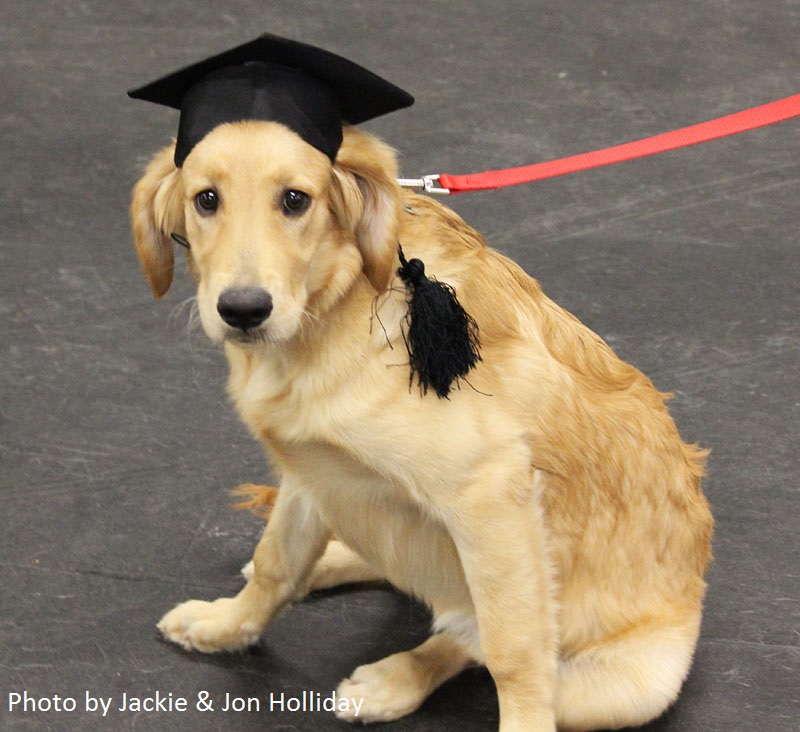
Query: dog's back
x=621, y=489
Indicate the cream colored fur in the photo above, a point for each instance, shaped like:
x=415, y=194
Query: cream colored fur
x=548, y=512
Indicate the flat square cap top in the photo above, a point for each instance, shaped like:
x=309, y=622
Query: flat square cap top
x=310, y=90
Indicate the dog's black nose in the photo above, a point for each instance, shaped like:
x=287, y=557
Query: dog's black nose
x=244, y=307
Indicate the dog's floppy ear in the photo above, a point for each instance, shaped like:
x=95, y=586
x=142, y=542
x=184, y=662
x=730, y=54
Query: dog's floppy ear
x=157, y=212
x=366, y=198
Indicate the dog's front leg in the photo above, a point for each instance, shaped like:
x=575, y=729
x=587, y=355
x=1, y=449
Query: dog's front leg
x=293, y=540
x=498, y=528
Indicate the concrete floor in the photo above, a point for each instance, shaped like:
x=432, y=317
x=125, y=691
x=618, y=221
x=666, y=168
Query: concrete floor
x=117, y=444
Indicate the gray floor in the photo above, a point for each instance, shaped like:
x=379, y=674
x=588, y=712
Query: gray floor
x=117, y=442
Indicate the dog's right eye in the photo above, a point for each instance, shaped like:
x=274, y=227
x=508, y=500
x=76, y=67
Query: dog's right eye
x=206, y=202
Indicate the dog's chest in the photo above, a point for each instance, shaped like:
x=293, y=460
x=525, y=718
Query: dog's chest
x=418, y=443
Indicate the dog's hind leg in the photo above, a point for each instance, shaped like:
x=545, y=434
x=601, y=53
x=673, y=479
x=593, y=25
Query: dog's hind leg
x=339, y=565
x=627, y=681
x=398, y=684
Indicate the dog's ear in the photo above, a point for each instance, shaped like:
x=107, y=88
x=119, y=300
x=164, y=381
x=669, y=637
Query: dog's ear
x=157, y=212
x=366, y=198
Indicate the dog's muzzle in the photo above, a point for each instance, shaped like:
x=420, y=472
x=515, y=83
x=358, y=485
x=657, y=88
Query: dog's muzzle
x=244, y=308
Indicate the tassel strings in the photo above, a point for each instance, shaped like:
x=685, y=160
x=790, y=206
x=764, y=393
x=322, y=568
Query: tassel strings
x=442, y=338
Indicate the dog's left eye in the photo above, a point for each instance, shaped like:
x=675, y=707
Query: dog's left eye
x=295, y=202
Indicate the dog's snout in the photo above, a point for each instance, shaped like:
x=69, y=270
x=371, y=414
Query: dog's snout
x=244, y=307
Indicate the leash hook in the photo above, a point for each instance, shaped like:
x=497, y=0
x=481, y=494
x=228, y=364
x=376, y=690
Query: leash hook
x=428, y=183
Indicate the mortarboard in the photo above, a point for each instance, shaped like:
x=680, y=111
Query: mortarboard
x=310, y=90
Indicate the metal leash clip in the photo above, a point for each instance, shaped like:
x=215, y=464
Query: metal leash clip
x=428, y=183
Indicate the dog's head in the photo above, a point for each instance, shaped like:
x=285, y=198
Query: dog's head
x=277, y=233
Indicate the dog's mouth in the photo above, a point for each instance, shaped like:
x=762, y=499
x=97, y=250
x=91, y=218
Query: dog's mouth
x=248, y=336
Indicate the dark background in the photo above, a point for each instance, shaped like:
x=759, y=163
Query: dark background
x=117, y=445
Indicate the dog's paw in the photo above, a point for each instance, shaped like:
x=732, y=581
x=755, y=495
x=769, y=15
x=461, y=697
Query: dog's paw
x=209, y=627
x=381, y=692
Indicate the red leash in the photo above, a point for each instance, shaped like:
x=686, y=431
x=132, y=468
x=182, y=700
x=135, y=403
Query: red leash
x=731, y=124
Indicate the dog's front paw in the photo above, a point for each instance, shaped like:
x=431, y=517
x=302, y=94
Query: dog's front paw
x=380, y=692
x=209, y=627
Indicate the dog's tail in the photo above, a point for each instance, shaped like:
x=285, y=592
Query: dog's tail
x=258, y=499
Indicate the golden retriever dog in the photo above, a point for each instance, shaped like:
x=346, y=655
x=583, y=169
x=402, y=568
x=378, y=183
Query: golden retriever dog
x=547, y=511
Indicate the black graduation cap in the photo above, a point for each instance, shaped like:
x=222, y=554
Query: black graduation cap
x=310, y=90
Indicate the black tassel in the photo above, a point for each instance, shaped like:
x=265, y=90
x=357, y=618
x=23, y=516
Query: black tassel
x=442, y=338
